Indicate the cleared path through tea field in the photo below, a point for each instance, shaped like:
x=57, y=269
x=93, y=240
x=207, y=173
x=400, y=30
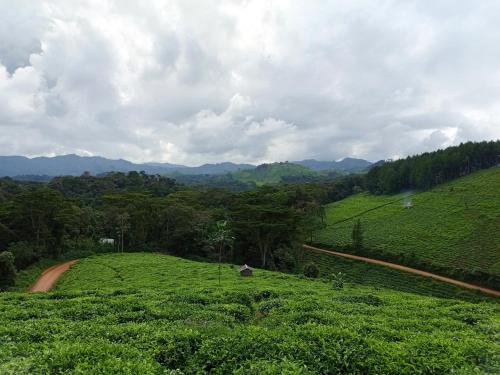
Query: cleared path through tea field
x=406, y=269
x=49, y=277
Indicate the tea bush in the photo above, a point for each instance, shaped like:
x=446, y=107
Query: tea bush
x=311, y=270
x=151, y=314
x=452, y=226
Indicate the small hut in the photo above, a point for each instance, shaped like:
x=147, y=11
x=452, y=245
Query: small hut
x=246, y=270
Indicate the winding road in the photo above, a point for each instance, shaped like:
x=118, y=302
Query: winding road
x=462, y=284
x=49, y=277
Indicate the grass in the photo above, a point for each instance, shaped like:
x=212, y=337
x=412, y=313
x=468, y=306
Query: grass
x=456, y=224
x=152, y=314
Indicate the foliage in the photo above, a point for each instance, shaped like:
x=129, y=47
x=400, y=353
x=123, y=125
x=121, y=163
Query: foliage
x=274, y=173
x=220, y=237
x=357, y=236
x=453, y=228
x=24, y=254
x=7, y=270
x=377, y=277
x=284, y=260
x=150, y=212
x=311, y=270
x=153, y=314
x=264, y=220
x=434, y=168
x=338, y=280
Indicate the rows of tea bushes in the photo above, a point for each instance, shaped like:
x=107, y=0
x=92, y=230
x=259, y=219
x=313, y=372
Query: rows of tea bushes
x=366, y=274
x=154, y=314
x=454, y=226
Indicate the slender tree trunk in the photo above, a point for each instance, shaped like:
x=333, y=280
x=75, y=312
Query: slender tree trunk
x=263, y=252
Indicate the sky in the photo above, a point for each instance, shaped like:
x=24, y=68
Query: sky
x=196, y=82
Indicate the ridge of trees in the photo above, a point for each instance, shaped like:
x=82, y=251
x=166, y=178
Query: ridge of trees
x=432, y=168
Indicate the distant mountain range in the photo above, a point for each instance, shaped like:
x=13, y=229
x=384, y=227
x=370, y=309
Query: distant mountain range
x=76, y=165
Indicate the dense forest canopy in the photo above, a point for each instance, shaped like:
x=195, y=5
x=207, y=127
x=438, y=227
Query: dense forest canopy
x=430, y=169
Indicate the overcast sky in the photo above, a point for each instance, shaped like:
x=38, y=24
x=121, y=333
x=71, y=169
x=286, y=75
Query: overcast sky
x=247, y=81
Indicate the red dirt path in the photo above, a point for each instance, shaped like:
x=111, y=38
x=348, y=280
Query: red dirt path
x=462, y=284
x=49, y=277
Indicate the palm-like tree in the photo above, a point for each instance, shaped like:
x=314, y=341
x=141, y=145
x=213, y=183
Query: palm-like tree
x=221, y=237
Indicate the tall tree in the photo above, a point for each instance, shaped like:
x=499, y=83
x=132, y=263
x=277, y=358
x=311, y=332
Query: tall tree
x=221, y=237
x=263, y=219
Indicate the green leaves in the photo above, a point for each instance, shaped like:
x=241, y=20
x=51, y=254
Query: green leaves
x=157, y=314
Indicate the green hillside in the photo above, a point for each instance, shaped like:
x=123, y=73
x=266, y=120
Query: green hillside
x=273, y=173
x=456, y=224
x=376, y=276
x=152, y=314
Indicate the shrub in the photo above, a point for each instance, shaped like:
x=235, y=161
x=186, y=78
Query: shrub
x=267, y=306
x=24, y=254
x=337, y=280
x=311, y=270
x=284, y=260
x=368, y=299
x=264, y=294
x=7, y=270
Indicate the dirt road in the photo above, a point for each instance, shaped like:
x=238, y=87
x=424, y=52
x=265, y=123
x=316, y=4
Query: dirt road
x=49, y=277
x=462, y=284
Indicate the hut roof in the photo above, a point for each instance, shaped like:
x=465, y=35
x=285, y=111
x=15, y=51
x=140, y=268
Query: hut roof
x=245, y=267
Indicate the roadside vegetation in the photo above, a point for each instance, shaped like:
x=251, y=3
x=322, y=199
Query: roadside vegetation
x=380, y=277
x=156, y=314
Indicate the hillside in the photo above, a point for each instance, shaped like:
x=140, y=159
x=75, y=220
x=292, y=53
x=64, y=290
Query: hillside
x=273, y=173
x=152, y=314
x=456, y=224
x=345, y=165
x=377, y=276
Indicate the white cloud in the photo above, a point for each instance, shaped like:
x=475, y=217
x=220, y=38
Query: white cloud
x=246, y=80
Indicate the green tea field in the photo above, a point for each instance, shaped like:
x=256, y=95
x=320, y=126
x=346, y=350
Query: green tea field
x=143, y=313
x=361, y=273
x=453, y=225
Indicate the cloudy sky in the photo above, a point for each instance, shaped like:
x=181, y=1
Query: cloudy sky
x=247, y=81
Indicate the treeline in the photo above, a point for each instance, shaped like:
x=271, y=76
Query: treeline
x=433, y=168
x=70, y=217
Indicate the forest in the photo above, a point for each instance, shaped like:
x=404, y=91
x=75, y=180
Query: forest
x=424, y=171
x=70, y=215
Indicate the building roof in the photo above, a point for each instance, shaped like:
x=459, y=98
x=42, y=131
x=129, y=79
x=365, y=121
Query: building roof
x=245, y=267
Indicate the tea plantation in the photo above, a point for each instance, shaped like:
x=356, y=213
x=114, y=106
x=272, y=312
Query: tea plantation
x=361, y=273
x=453, y=225
x=143, y=313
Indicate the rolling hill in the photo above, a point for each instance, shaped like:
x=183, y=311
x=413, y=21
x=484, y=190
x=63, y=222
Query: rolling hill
x=268, y=174
x=154, y=314
x=454, y=225
x=345, y=165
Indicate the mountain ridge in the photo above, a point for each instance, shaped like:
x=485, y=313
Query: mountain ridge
x=72, y=164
